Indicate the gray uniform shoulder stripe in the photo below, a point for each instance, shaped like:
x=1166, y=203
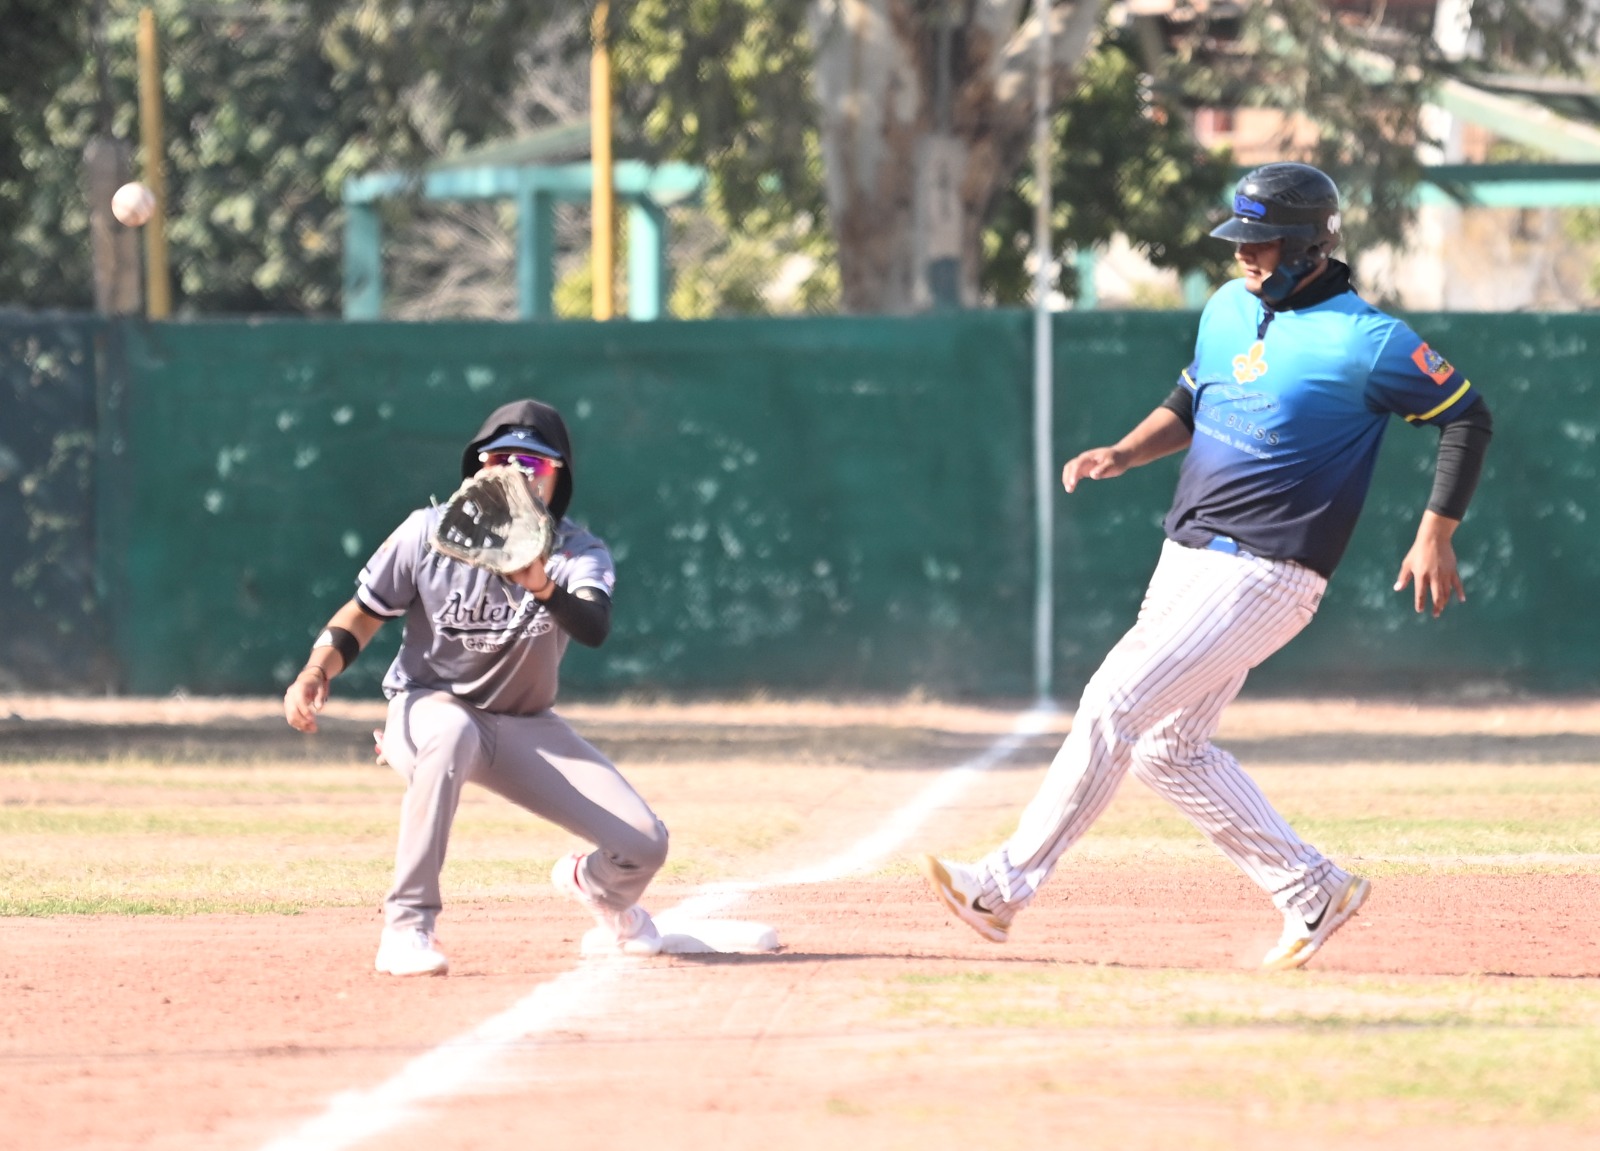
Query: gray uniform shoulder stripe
x=371, y=602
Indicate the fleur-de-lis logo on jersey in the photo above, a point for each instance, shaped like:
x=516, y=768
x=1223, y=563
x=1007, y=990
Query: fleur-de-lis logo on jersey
x=1252, y=365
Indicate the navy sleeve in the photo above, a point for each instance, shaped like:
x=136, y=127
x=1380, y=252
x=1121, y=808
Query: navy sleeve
x=1462, y=444
x=1180, y=402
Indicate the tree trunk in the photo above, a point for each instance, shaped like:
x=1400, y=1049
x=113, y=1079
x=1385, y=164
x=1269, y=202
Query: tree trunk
x=114, y=249
x=921, y=126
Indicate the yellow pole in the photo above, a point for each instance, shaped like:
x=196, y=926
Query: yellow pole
x=158, y=286
x=603, y=203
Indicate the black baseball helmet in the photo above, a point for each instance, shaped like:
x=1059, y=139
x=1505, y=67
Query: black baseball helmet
x=1288, y=201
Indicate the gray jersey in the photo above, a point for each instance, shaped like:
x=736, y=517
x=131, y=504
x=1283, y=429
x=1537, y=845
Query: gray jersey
x=468, y=631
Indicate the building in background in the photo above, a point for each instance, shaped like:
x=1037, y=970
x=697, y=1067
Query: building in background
x=1508, y=221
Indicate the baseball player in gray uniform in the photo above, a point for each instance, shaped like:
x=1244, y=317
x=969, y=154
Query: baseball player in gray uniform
x=1282, y=410
x=470, y=697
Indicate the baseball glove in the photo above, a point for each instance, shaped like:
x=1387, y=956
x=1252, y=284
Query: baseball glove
x=495, y=521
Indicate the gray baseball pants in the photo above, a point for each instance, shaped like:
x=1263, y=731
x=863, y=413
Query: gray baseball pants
x=438, y=743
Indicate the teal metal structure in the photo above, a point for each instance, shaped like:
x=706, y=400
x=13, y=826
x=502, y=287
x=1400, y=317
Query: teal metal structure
x=1529, y=185
x=648, y=190
x=1520, y=185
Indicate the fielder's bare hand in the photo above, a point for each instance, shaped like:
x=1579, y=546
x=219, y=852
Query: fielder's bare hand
x=534, y=577
x=305, y=697
x=1159, y=434
x=1431, y=565
x=350, y=630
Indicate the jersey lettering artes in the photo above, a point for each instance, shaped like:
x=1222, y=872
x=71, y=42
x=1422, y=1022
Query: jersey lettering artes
x=468, y=631
x=1289, y=412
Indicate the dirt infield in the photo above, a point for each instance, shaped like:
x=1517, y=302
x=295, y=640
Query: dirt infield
x=1125, y=1011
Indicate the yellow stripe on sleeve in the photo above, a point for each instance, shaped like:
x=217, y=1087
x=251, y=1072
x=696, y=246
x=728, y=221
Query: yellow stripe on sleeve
x=1428, y=415
x=1188, y=379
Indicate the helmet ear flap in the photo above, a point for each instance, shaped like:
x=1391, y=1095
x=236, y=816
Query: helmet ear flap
x=1332, y=233
x=1291, y=270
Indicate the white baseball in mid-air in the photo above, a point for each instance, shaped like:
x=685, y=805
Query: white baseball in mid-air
x=133, y=204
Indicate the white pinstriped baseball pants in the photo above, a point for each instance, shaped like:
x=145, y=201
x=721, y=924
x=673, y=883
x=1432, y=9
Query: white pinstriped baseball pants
x=1208, y=617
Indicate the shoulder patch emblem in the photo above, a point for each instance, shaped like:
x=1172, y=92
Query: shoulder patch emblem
x=1252, y=365
x=1433, y=365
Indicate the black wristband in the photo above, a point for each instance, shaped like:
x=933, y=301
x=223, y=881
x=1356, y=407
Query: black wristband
x=342, y=641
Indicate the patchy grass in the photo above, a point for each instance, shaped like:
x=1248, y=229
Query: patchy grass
x=994, y=1047
x=1481, y=1050
x=1403, y=817
x=145, y=837
x=142, y=837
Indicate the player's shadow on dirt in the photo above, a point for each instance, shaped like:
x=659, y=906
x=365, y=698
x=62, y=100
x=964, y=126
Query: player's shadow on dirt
x=343, y=740
x=779, y=958
x=347, y=740
x=1443, y=965
x=225, y=741
x=722, y=959
x=1334, y=748
x=872, y=746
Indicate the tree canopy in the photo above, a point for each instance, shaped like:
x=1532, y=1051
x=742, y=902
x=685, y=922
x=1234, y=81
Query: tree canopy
x=271, y=104
x=722, y=82
x=268, y=106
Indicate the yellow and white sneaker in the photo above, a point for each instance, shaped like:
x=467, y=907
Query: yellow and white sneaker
x=410, y=951
x=1303, y=938
x=960, y=891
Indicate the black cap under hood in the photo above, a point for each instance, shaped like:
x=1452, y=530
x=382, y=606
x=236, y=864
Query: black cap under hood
x=552, y=429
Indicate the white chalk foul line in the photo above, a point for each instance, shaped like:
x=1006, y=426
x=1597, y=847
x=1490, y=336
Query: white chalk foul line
x=460, y=1065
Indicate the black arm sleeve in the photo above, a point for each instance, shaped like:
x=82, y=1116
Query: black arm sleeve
x=1181, y=404
x=585, y=616
x=1462, y=444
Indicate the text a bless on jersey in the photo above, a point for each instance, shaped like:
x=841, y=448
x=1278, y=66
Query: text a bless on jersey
x=1234, y=441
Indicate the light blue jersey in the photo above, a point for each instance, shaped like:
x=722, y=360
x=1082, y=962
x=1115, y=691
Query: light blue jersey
x=1290, y=405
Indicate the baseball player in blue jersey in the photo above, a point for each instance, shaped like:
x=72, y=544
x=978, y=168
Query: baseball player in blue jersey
x=1293, y=382
x=470, y=696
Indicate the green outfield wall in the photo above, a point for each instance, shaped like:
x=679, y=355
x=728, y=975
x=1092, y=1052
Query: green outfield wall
x=53, y=634
x=796, y=506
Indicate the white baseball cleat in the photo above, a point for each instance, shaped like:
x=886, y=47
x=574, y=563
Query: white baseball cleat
x=1303, y=938
x=629, y=932
x=410, y=951
x=959, y=890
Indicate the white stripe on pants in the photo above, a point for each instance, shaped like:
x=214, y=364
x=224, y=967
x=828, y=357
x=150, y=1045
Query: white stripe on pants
x=1208, y=617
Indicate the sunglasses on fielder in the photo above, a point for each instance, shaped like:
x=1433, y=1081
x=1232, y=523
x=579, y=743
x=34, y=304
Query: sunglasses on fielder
x=540, y=466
